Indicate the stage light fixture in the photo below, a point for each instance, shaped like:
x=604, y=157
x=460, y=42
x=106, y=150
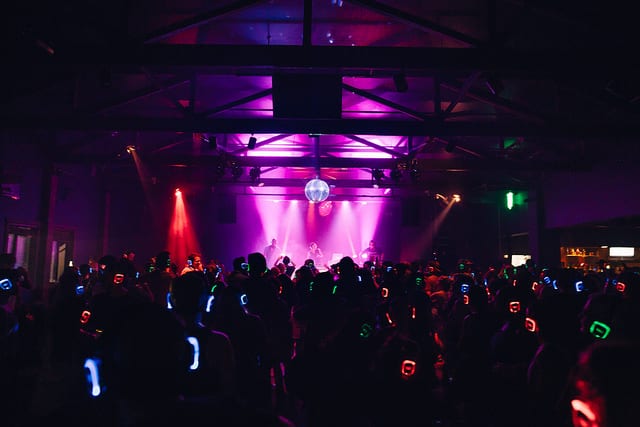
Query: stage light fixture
x=236, y=171
x=131, y=149
x=211, y=140
x=252, y=142
x=396, y=175
x=254, y=174
x=377, y=175
x=220, y=170
x=414, y=173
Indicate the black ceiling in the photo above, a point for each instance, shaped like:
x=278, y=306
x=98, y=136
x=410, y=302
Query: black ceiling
x=474, y=94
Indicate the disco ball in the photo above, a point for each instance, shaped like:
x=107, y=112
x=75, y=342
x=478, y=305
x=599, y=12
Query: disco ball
x=316, y=190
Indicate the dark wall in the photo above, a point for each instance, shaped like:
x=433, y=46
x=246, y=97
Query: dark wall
x=583, y=197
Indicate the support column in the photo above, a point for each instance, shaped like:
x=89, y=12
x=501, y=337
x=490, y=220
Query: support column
x=46, y=220
x=544, y=243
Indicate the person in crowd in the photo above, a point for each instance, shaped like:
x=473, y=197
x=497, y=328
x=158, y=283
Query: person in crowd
x=212, y=371
x=512, y=348
x=128, y=261
x=239, y=274
x=557, y=330
x=604, y=385
x=249, y=338
x=289, y=265
x=263, y=300
x=194, y=263
x=156, y=284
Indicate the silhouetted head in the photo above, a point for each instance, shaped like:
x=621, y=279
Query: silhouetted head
x=605, y=385
x=237, y=263
x=257, y=264
x=347, y=265
x=163, y=260
x=143, y=353
x=187, y=293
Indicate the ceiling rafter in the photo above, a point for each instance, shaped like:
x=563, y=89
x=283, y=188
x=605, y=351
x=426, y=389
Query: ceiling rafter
x=197, y=20
x=308, y=161
x=380, y=100
x=266, y=60
x=416, y=21
x=166, y=92
x=497, y=102
x=236, y=103
x=136, y=96
x=560, y=128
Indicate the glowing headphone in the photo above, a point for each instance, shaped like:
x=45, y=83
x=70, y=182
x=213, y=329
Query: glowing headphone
x=389, y=319
x=193, y=341
x=582, y=414
x=365, y=330
x=92, y=370
x=85, y=316
x=514, y=306
x=407, y=368
x=530, y=324
x=210, y=303
x=6, y=284
x=599, y=329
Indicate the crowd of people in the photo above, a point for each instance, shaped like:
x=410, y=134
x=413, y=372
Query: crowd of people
x=366, y=343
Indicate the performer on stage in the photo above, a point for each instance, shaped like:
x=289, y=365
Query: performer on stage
x=372, y=253
x=271, y=253
x=315, y=253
